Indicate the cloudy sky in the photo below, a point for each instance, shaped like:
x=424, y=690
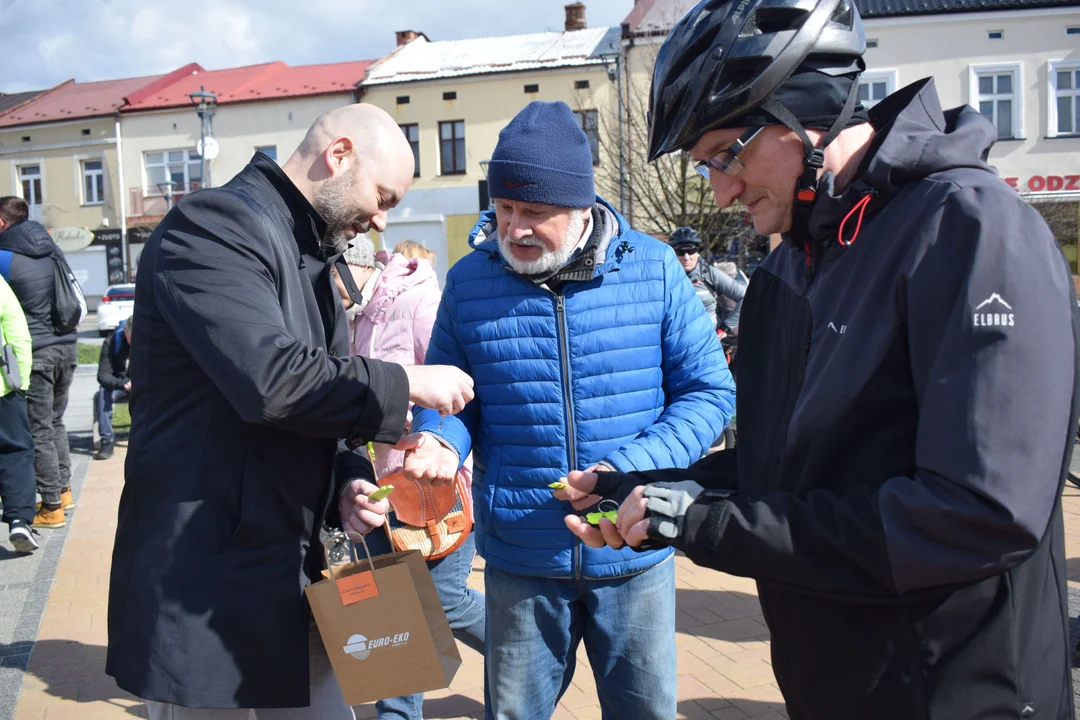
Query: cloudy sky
x=49, y=41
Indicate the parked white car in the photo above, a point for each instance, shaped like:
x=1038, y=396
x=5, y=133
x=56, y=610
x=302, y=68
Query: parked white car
x=116, y=305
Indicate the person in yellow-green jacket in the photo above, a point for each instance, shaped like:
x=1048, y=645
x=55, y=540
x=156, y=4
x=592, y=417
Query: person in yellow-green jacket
x=16, y=443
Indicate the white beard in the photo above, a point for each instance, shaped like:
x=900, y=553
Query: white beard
x=550, y=261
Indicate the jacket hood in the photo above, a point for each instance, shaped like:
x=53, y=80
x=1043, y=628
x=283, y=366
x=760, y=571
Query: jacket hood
x=399, y=275
x=483, y=238
x=913, y=139
x=28, y=238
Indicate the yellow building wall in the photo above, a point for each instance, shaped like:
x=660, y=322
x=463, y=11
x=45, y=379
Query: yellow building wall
x=458, y=228
x=486, y=103
x=59, y=149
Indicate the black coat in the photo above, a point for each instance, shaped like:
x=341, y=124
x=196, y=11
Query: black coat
x=112, y=370
x=242, y=384
x=31, y=279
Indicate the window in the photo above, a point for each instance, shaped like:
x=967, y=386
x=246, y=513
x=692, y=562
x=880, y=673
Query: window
x=1065, y=99
x=93, y=182
x=412, y=134
x=996, y=34
x=581, y=84
x=86, y=132
x=26, y=138
x=532, y=88
x=588, y=123
x=402, y=99
x=995, y=92
x=30, y=179
x=269, y=151
x=452, y=95
x=452, y=147
x=875, y=86
x=871, y=43
x=183, y=168
x=1075, y=30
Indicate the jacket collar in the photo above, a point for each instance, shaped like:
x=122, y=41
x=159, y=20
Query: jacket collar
x=308, y=226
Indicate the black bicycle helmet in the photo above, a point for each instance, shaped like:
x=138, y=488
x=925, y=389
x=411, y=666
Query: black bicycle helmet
x=726, y=57
x=684, y=236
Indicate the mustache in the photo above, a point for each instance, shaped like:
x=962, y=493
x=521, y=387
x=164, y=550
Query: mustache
x=527, y=241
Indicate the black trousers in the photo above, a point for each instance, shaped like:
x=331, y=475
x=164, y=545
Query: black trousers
x=16, y=459
x=50, y=380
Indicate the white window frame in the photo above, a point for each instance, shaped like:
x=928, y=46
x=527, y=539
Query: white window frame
x=872, y=76
x=1051, y=96
x=264, y=148
x=84, y=173
x=1017, y=70
x=16, y=168
x=582, y=117
x=152, y=189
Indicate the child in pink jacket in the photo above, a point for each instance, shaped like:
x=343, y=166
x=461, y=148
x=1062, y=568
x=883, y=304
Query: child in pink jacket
x=393, y=322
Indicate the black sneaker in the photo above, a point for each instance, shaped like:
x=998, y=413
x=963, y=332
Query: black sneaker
x=105, y=452
x=22, y=537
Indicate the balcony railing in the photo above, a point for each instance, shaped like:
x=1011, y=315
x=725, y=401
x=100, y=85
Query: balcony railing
x=152, y=202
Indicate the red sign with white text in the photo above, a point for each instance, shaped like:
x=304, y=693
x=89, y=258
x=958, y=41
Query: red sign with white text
x=1047, y=183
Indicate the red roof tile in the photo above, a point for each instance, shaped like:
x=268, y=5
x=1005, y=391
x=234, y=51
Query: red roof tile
x=70, y=100
x=255, y=82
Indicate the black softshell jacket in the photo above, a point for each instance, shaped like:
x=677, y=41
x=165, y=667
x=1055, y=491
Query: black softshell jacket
x=906, y=405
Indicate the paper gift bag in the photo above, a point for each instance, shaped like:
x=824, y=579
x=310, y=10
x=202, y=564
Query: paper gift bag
x=382, y=624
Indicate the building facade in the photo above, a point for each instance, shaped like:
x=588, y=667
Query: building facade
x=451, y=99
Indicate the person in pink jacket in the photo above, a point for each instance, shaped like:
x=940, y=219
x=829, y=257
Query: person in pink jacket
x=392, y=322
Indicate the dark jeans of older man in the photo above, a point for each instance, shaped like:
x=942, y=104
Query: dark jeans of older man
x=51, y=374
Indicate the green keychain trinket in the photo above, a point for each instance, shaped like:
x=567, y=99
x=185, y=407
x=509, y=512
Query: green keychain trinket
x=558, y=485
x=593, y=518
x=381, y=493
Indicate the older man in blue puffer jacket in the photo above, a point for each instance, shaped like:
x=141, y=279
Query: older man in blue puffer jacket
x=589, y=349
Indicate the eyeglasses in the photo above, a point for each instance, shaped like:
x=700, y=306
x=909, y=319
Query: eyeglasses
x=683, y=251
x=727, y=160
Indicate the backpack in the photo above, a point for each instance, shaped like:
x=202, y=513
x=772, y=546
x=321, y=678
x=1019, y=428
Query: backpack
x=68, y=301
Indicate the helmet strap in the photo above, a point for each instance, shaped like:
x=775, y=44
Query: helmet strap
x=814, y=159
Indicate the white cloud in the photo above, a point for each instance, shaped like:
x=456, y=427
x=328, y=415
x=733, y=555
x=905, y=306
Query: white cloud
x=49, y=41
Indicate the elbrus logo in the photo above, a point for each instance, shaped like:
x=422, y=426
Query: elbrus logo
x=993, y=313
x=360, y=647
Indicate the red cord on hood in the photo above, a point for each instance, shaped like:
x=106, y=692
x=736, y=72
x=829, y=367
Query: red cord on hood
x=861, y=207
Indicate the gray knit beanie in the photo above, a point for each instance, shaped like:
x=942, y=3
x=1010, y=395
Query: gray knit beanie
x=361, y=252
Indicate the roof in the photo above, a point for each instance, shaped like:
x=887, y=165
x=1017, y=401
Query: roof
x=894, y=8
x=424, y=60
x=254, y=82
x=657, y=17
x=10, y=101
x=70, y=100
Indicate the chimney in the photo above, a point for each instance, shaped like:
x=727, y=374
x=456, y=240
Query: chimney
x=575, y=16
x=404, y=37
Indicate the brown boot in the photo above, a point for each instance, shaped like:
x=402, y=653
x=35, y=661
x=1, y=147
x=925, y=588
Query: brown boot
x=50, y=519
x=67, y=500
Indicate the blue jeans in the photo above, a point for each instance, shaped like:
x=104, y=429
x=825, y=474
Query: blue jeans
x=464, y=608
x=103, y=408
x=535, y=625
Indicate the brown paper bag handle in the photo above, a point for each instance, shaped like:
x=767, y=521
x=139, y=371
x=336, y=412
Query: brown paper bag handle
x=339, y=538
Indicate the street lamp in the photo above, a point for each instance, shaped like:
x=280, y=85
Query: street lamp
x=613, y=62
x=206, y=104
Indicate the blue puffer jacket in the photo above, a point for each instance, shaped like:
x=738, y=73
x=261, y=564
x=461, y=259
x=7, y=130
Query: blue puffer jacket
x=624, y=368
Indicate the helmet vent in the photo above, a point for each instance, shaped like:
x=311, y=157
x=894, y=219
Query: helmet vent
x=779, y=19
x=751, y=26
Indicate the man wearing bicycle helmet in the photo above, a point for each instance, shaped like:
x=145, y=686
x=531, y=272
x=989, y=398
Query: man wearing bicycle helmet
x=907, y=389
x=709, y=283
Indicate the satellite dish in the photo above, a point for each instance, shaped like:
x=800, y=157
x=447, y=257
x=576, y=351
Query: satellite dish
x=208, y=149
x=72, y=239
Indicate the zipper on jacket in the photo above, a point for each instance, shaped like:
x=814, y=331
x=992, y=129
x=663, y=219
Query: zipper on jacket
x=775, y=454
x=563, y=333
